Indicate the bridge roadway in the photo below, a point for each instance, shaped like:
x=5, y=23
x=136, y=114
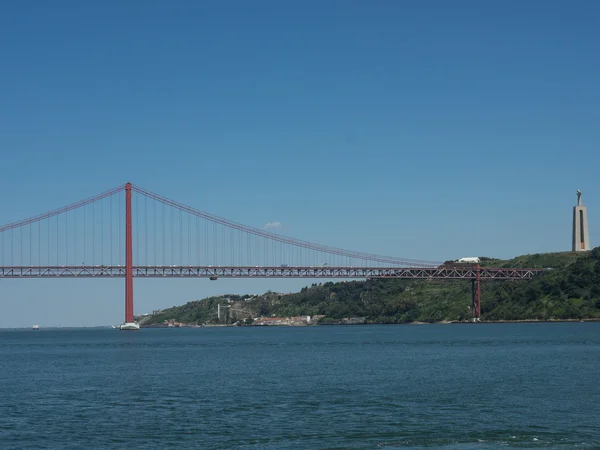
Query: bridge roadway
x=214, y=272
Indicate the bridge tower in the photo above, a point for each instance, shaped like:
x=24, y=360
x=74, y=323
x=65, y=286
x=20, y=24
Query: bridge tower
x=129, y=323
x=581, y=239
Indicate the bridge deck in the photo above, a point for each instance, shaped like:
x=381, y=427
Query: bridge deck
x=444, y=273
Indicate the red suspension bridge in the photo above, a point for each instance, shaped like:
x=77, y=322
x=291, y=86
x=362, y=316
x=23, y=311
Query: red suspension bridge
x=95, y=238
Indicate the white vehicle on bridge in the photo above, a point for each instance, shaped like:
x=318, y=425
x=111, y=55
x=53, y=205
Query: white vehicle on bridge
x=469, y=259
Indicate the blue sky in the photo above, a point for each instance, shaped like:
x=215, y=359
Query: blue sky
x=427, y=130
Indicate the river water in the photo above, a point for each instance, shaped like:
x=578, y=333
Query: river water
x=474, y=386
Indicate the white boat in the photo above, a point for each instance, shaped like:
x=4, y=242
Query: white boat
x=130, y=326
x=36, y=327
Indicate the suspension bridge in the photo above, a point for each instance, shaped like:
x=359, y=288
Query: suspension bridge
x=132, y=232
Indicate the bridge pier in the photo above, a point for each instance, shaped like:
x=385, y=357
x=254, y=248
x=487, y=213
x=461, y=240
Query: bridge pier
x=476, y=296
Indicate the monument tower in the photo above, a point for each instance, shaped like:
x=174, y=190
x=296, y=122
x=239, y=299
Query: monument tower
x=581, y=239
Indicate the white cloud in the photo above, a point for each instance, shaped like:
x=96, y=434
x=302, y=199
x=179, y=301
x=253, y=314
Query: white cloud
x=273, y=225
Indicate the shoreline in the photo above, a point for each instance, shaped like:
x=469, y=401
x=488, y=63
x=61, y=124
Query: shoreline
x=443, y=322
x=450, y=322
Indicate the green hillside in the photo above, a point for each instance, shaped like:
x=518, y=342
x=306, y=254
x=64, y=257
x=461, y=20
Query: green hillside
x=536, y=261
x=569, y=289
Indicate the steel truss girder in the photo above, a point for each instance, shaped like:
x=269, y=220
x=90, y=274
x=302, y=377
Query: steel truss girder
x=440, y=273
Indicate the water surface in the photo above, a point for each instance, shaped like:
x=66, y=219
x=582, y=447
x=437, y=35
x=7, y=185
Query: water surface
x=477, y=386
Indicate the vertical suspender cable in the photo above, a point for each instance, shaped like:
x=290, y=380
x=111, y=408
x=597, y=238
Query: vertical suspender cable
x=214, y=243
x=67, y=238
x=137, y=233
x=145, y=230
x=110, y=230
x=101, y=232
x=93, y=233
x=154, y=214
x=119, y=230
x=75, y=237
x=180, y=260
x=57, y=240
